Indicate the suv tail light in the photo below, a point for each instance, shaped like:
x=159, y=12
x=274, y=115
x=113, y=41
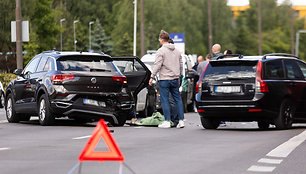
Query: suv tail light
x=62, y=77
x=261, y=86
x=198, y=87
x=122, y=79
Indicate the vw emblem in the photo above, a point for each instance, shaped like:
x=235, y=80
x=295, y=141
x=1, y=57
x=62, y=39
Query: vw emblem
x=93, y=80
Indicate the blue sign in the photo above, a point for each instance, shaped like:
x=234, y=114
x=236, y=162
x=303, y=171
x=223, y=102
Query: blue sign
x=178, y=37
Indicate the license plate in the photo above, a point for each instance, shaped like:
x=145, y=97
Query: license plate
x=93, y=102
x=227, y=89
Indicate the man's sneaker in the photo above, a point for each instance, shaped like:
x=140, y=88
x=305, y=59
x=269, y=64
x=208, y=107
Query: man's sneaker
x=180, y=124
x=164, y=124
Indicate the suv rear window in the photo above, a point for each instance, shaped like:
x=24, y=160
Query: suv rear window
x=219, y=70
x=84, y=63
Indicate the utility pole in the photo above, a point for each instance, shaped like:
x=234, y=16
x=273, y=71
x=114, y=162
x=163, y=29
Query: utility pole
x=210, y=37
x=292, y=30
x=259, y=27
x=19, y=59
x=135, y=27
x=142, y=33
x=90, y=23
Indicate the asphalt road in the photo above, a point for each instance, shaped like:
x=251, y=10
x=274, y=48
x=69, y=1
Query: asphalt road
x=237, y=148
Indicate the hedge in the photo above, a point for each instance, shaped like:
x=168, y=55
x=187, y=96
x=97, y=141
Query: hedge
x=6, y=78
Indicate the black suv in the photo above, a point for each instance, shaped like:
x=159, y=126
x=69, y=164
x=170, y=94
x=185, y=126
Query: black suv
x=82, y=86
x=269, y=89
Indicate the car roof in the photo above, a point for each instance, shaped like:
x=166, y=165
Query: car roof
x=254, y=58
x=57, y=54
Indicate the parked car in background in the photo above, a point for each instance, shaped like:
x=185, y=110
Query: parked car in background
x=269, y=89
x=187, y=80
x=83, y=86
x=2, y=96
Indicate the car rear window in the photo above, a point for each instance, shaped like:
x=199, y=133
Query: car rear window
x=219, y=70
x=85, y=63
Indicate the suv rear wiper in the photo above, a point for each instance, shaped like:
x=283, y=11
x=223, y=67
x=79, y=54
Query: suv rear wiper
x=237, y=78
x=101, y=70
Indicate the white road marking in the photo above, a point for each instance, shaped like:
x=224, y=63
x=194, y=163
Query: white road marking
x=3, y=121
x=261, y=169
x=83, y=137
x=286, y=148
x=4, y=148
x=270, y=161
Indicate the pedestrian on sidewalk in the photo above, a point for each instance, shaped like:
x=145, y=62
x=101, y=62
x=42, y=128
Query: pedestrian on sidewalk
x=169, y=64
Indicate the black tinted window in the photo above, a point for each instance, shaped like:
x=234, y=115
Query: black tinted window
x=42, y=63
x=293, y=70
x=84, y=63
x=303, y=68
x=31, y=67
x=128, y=66
x=274, y=70
x=230, y=70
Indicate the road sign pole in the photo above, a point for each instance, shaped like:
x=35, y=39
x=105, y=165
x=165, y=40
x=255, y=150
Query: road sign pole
x=19, y=59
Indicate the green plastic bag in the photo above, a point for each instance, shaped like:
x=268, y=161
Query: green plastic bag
x=156, y=119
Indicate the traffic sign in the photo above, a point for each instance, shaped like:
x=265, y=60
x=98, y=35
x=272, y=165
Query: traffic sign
x=179, y=41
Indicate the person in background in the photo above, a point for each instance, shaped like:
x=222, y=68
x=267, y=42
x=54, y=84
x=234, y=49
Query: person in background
x=226, y=52
x=169, y=64
x=216, y=51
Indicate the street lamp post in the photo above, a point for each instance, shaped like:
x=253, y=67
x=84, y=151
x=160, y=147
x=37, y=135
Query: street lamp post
x=61, y=21
x=297, y=41
x=90, y=23
x=75, y=21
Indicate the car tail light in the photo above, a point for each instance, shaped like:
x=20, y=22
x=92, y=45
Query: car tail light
x=198, y=87
x=122, y=79
x=261, y=85
x=61, y=77
x=201, y=110
x=255, y=110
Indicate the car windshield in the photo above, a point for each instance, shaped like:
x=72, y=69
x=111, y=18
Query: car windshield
x=230, y=70
x=85, y=64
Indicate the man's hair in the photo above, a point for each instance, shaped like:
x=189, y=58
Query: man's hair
x=164, y=35
x=208, y=56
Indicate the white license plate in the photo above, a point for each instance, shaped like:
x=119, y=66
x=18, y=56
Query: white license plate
x=227, y=89
x=93, y=102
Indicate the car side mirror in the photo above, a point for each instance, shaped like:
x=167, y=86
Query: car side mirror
x=18, y=72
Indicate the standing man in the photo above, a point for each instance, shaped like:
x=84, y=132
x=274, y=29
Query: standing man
x=216, y=50
x=169, y=64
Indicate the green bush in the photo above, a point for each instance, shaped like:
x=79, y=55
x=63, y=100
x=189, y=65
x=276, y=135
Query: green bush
x=6, y=78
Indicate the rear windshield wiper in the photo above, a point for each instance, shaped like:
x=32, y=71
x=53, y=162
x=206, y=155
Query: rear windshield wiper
x=237, y=78
x=99, y=70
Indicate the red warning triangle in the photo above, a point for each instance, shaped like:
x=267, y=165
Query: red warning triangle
x=88, y=153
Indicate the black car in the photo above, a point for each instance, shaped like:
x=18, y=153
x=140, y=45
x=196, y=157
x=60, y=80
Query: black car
x=82, y=86
x=269, y=89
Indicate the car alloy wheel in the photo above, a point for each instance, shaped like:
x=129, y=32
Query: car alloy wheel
x=2, y=100
x=9, y=108
x=286, y=114
x=42, y=110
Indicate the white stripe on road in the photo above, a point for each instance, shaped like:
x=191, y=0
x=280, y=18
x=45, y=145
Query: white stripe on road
x=5, y=148
x=83, y=137
x=261, y=169
x=270, y=161
x=286, y=148
x=3, y=121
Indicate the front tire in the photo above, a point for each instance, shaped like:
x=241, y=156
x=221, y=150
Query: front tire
x=121, y=118
x=11, y=115
x=286, y=114
x=2, y=100
x=209, y=123
x=45, y=115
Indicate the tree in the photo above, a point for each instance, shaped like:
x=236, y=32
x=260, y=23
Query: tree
x=100, y=39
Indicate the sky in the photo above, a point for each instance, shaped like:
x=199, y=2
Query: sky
x=246, y=2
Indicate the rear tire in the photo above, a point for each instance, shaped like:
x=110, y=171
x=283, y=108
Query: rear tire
x=209, y=123
x=45, y=115
x=121, y=118
x=286, y=114
x=263, y=125
x=11, y=115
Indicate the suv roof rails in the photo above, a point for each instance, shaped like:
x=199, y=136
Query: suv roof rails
x=51, y=51
x=240, y=56
x=279, y=54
